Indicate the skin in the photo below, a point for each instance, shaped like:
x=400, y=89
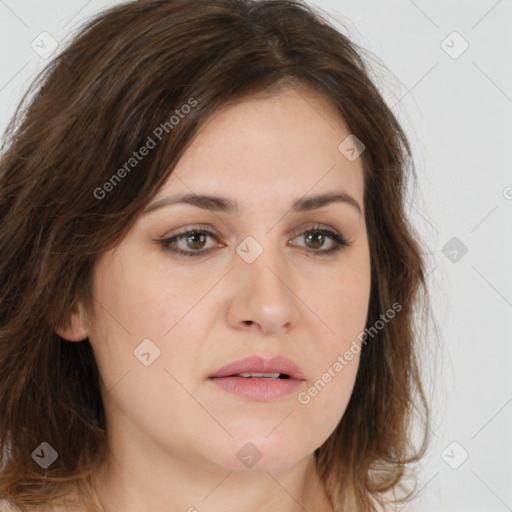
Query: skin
x=174, y=435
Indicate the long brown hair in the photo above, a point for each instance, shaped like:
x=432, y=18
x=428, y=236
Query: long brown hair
x=64, y=200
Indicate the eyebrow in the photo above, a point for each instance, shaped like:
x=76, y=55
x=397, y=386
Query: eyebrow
x=223, y=204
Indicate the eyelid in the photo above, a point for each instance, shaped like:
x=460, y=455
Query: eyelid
x=305, y=226
x=308, y=226
x=186, y=229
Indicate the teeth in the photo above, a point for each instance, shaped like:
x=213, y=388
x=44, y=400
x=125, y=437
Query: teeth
x=264, y=375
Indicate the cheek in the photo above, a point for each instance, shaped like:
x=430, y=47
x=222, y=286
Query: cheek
x=135, y=303
x=327, y=397
x=342, y=308
x=331, y=391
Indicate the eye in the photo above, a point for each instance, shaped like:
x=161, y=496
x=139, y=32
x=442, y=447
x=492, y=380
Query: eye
x=193, y=242
x=194, y=239
x=316, y=237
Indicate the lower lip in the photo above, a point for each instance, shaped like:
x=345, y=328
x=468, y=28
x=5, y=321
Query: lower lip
x=262, y=390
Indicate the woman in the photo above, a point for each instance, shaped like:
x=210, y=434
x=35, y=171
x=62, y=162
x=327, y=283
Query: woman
x=208, y=281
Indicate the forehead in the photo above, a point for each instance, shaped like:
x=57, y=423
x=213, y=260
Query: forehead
x=266, y=146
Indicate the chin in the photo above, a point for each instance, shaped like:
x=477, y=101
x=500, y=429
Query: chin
x=258, y=453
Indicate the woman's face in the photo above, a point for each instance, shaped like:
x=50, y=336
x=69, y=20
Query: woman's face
x=255, y=282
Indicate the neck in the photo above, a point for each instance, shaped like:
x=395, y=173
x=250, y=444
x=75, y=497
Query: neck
x=127, y=485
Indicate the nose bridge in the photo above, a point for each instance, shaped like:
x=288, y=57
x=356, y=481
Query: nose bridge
x=262, y=258
x=264, y=282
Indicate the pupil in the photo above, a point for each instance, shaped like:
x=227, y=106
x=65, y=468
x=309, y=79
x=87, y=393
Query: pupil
x=319, y=237
x=190, y=237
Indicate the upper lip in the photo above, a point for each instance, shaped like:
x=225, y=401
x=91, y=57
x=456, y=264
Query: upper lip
x=260, y=365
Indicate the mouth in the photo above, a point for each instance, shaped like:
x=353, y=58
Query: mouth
x=259, y=379
x=255, y=375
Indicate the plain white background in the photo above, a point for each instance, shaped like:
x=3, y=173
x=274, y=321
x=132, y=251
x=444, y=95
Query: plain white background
x=452, y=92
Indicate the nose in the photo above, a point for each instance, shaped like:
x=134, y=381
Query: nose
x=263, y=296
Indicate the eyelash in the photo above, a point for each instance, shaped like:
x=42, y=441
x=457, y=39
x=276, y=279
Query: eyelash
x=166, y=243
